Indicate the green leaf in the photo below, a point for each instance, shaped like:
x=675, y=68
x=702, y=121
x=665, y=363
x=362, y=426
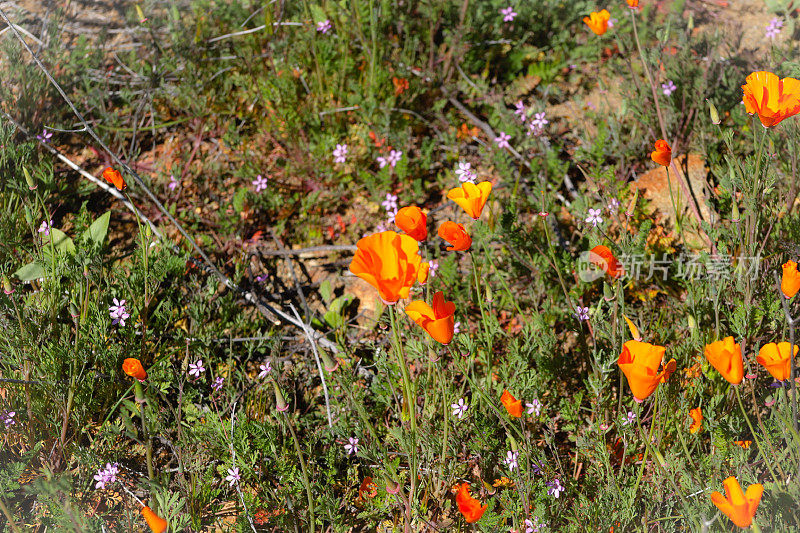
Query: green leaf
x=30, y=272
x=61, y=242
x=317, y=13
x=98, y=230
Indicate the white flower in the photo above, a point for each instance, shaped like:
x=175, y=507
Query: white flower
x=534, y=407
x=465, y=173
x=352, y=447
x=195, y=369
x=233, y=476
x=459, y=408
x=594, y=217
x=511, y=460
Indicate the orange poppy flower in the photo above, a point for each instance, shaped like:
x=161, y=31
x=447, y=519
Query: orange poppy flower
x=471, y=197
x=114, y=177
x=512, y=405
x=739, y=507
x=790, y=281
x=155, y=522
x=604, y=259
x=697, y=417
x=633, y=3
x=776, y=359
x=438, y=320
x=400, y=85
x=662, y=154
x=743, y=443
x=598, y=21
x=772, y=98
x=388, y=261
x=133, y=367
x=413, y=221
x=469, y=506
x=640, y=361
x=456, y=235
x=726, y=357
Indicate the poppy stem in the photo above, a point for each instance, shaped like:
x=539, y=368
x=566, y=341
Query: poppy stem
x=148, y=447
x=409, y=399
x=484, y=322
x=312, y=520
x=792, y=371
x=753, y=432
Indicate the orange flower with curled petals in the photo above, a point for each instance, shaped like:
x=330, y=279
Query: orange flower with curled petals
x=512, y=405
x=738, y=506
x=133, y=367
x=774, y=99
x=413, y=221
x=438, y=320
x=456, y=235
x=790, y=281
x=743, y=443
x=777, y=359
x=422, y=273
x=388, y=261
x=697, y=420
x=602, y=257
x=114, y=177
x=633, y=4
x=662, y=154
x=640, y=362
x=726, y=357
x=471, y=197
x=598, y=21
x=155, y=522
x=469, y=507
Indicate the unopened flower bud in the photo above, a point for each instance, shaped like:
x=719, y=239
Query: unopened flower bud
x=330, y=363
x=712, y=110
x=28, y=215
x=734, y=210
x=632, y=205
x=29, y=179
x=73, y=311
x=608, y=292
x=280, y=402
x=7, y=288
x=392, y=487
x=513, y=443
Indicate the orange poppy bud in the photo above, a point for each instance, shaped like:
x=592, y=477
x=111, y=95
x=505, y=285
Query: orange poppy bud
x=456, y=235
x=776, y=359
x=388, y=261
x=134, y=369
x=640, y=362
x=471, y=197
x=790, y=281
x=156, y=523
x=726, y=357
x=662, y=154
x=602, y=257
x=114, y=177
x=598, y=21
x=697, y=417
x=438, y=320
x=512, y=405
x=469, y=506
x=633, y=3
x=772, y=98
x=739, y=507
x=413, y=221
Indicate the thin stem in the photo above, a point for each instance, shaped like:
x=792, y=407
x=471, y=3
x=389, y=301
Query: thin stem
x=306, y=483
x=148, y=445
x=753, y=432
x=410, y=403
